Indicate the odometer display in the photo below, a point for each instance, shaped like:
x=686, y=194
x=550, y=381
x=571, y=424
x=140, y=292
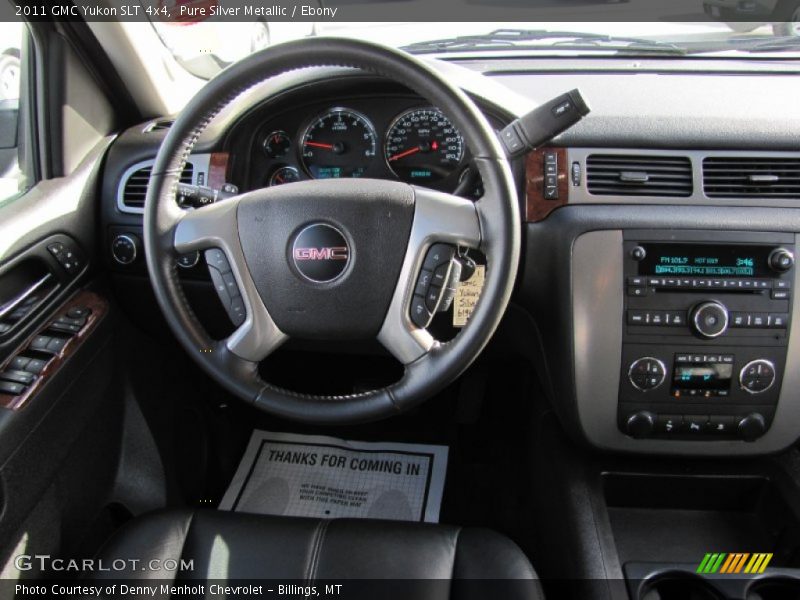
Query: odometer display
x=337, y=144
x=423, y=146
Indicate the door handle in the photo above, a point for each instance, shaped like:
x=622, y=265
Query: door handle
x=19, y=299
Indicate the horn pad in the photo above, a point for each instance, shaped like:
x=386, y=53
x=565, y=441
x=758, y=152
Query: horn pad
x=326, y=255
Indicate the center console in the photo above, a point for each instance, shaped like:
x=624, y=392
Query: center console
x=705, y=331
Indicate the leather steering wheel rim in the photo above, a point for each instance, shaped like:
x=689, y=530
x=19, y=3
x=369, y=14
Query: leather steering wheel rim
x=497, y=235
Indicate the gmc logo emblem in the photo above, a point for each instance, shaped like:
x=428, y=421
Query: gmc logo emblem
x=334, y=253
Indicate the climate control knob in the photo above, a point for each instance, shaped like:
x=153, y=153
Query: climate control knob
x=647, y=373
x=752, y=427
x=781, y=260
x=710, y=319
x=757, y=376
x=640, y=424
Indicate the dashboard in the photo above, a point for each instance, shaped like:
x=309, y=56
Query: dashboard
x=660, y=319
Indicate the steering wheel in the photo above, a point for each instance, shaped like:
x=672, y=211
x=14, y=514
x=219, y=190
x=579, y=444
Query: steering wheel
x=333, y=259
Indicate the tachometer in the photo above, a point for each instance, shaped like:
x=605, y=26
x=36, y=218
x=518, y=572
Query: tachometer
x=338, y=143
x=422, y=145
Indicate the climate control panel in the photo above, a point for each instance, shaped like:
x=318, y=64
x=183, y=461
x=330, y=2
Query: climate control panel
x=678, y=393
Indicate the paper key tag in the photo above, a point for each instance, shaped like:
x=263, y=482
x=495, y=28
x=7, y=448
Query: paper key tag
x=467, y=295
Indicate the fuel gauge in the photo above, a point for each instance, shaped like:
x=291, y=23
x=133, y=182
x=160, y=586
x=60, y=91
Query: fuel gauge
x=283, y=175
x=277, y=144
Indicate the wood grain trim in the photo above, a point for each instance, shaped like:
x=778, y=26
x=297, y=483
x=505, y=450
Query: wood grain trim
x=90, y=300
x=536, y=207
x=217, y=170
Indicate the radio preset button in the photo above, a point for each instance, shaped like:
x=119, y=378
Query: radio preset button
x=778, y=320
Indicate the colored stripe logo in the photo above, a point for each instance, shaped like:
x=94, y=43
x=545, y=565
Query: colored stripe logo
x=736, y=562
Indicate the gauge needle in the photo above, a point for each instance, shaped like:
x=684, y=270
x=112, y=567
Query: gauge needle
x=408, y=152
x=320, y=145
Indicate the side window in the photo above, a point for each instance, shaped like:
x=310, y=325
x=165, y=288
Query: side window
x=11, y=178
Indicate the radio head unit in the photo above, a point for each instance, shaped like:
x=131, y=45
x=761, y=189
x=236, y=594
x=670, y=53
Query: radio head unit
x=705, y=333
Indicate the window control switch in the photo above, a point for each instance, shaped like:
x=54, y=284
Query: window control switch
x=22, y=377
x=8, y=387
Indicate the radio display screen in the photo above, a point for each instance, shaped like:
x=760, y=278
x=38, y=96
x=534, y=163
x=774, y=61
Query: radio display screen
x=700, y=260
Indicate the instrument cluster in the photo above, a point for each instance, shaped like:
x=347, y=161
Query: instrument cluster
x=387, y=139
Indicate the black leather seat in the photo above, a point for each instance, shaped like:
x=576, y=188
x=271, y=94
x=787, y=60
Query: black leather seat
x=236, y=546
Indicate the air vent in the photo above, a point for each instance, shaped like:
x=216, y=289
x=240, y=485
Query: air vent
x=159, y=125
x=136, y=186
x=633, y=175
x=745, y=177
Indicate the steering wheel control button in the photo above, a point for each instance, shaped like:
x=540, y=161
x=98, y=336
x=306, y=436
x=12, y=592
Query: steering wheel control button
x=228, y=292
x=423, y=282
x=757, y=376
x=236, y=311
x=420, y=315
x=438, y=255
x=216, y=258
x=320, y=253
x=647, y=373
x=187, y=261
x=710, y=319
x=433, y=297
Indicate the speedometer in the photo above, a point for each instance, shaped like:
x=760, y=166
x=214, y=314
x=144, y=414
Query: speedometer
x=422, y=145
x=338, y=143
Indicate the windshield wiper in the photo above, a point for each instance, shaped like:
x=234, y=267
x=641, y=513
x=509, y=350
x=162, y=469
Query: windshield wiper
x=777, y=44
x=523, y=38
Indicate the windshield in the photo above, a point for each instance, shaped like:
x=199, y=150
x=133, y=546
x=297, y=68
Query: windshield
x=206, y=47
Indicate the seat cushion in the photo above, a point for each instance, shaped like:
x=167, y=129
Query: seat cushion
x=237, y=546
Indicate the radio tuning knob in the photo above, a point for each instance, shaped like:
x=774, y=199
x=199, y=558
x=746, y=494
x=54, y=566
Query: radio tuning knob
x=781, y=260
x=710, y=319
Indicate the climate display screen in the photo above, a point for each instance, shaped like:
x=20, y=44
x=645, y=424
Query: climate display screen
x=702, y=376
x=699, y=260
